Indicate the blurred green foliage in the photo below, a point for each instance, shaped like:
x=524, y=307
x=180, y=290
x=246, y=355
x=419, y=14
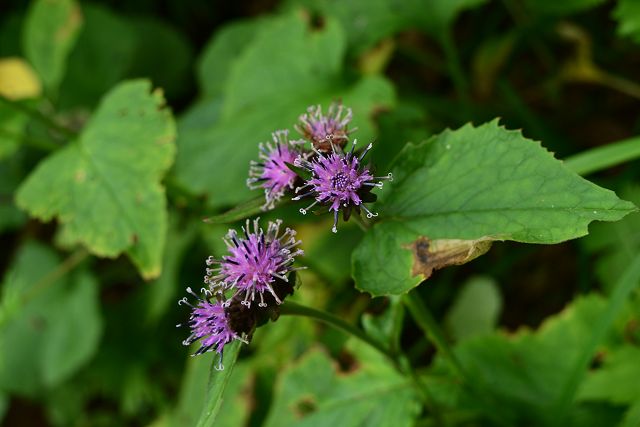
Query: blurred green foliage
x=124, y=124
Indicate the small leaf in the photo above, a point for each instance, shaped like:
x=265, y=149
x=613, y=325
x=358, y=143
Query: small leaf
x=50, y=32
x=105, y=187
x=17, y=81
x=476, y=309
x=475, y=185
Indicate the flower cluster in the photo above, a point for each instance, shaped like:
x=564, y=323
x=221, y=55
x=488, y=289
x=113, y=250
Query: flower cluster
x=333, y=178
x=245, y=287
x=256, y=269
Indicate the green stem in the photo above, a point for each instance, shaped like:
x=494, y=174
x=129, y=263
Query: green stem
x=625, y=286
x=429, y=326
x=328, y=318
x=37, y=115
x=599, y=158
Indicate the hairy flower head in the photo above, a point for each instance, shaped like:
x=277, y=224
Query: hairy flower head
x=210, y=325
x=325, y=130
x=271, y=173
x=339, y=181
x=258, y=262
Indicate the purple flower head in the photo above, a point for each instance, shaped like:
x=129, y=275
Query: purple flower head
x=257, y=264
x=339, y=181
x=326, y=130
x=210, y=325
x=271, y=172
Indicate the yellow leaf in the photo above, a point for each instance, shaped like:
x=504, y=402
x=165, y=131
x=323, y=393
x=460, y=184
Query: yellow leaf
x=18, y=80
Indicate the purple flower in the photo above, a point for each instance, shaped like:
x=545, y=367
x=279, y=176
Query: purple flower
x=210, y=325
x=326, y=130
x=257, y=264
x=271, y=172
x=339, y=181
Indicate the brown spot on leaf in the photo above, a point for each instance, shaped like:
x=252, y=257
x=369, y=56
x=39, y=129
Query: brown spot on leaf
x=429, y=255
x=305, y=406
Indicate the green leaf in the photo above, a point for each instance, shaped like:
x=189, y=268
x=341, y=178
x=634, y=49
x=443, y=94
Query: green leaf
x=606, y=156
x=611, y=381
x=50, y=32
x=42, y=340
x=287, y=67
x=521, y=375
x=220, y=53
x=627, y=13
x=615, y=243
x=476, y=308
x=101, y=58
x=564, y=7
x=372, y=393
x=218, y=381
x=105, y=187
x=454, y=194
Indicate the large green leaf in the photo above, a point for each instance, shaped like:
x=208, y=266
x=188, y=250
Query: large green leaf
x=105, y=187
x=49, y=326
x=454, y=194
x=518, y=378
x=611, y=381
x=221, y=52
x=101, y=58
x=50, y=31
x=313, y=393
x=285, y=68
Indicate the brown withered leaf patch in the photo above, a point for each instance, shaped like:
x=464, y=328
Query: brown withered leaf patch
x=430, y=255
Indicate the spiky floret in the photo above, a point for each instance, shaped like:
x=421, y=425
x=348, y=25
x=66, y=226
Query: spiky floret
x=271, y=173
x=257, y=262
x=210, y=325
x=340, y=182
x=325, y=130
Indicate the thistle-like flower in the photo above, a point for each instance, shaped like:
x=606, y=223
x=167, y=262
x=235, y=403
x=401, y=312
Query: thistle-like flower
x=271, y=172
x=257, y=265
x=339, y=181
x=209, y=324
x=326, y=130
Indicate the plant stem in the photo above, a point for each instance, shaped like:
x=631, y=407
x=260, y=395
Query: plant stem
x=37, y=115
x=427, y=323
x=293, y=308
x=599, y=158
